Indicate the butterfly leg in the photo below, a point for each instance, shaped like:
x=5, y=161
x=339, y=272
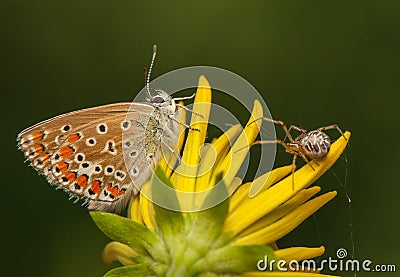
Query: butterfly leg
x=185, y=98
x=189, y=110
x=183, y=124
x=172, y=151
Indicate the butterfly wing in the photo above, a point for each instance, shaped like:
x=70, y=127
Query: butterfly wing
x=82, y=153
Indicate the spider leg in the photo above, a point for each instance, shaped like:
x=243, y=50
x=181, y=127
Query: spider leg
x=251, y=122
x=287, y=148
x=302, y=131
x=297, y=129
x=307, y=161
x=283, y=124
x=334, y=126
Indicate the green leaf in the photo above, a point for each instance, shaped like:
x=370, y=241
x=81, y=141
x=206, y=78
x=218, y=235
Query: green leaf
x=131, y=271
x=132, y=234
x=170, y=222
x=233, y=258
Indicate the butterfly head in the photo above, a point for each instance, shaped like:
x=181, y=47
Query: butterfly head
x=162, y=100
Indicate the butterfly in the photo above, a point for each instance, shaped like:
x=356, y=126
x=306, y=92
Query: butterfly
x=104, y=154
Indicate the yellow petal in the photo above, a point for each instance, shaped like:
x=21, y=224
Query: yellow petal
x=268, y=179
x=267, y=200
x=134, y=210
x=233, y=161
x=218, y=150
x=116, y=251
x=285, y=225
x=184, y=176
x=281, y=211
x=146, y=207
x=299, y=253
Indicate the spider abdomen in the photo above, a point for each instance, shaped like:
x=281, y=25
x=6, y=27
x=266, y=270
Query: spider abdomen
x=316, y=144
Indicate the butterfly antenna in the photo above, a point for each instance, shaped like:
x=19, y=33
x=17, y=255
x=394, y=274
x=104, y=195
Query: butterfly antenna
x=149, y=71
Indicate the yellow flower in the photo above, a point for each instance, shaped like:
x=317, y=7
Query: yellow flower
x=228, y=238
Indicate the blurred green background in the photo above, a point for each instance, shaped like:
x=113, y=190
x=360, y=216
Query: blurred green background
x=315, y=62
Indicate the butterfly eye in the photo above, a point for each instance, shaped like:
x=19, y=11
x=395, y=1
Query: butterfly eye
x=157, y=99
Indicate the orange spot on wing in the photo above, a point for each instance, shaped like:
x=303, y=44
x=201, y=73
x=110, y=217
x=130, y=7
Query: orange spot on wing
x=82, y=181
x=95, y=187
x=45, y=158
x=112, y=190
x=122, y=191
x=74, y=137
x=38, y=148
x=36, y=137
x=71, y=176
x=66, y=151
x=63, y=166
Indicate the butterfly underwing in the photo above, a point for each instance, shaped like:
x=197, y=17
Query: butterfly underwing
x=104, y=154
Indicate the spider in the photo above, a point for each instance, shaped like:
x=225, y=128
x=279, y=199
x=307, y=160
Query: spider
x=312, y=145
